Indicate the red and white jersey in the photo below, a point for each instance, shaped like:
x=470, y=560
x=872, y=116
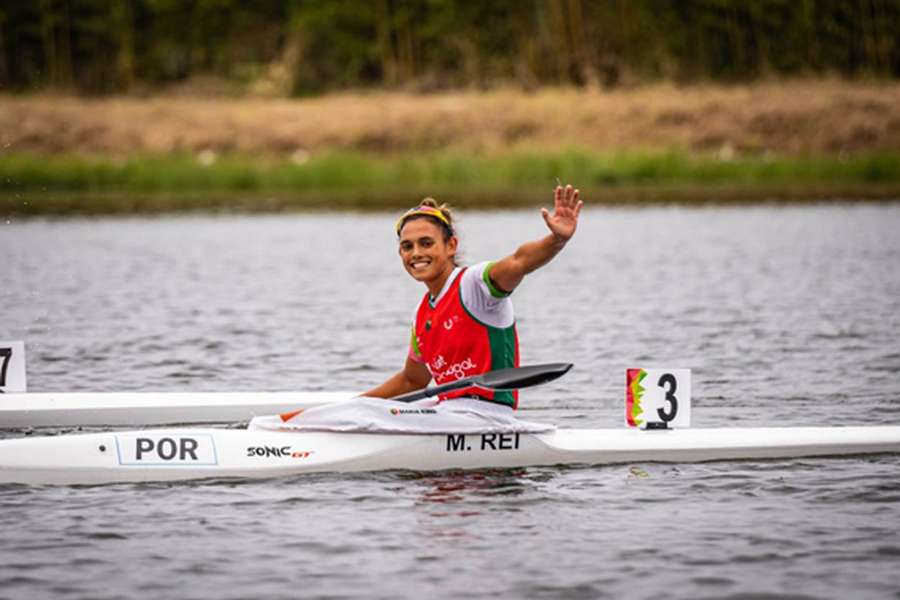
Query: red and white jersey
x=468, y=329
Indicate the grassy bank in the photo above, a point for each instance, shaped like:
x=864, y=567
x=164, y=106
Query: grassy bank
x=34, y=184
x=802, y=139
x=789, y=118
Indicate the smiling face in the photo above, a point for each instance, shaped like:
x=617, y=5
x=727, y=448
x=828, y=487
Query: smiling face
x=426, y=256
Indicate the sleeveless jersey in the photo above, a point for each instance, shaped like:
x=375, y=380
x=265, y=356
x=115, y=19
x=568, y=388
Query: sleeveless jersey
x=453, y=343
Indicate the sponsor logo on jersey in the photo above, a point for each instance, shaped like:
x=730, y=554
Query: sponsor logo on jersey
x=454, y=371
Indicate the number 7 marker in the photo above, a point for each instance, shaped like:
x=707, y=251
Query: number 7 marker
x=12, y=367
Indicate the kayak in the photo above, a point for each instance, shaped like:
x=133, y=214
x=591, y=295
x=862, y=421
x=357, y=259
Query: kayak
x=188, y=454
x=135, y=409
x=659, y=433
x=105, y=409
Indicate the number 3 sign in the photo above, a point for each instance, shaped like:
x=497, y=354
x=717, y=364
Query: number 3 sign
x=658, y=398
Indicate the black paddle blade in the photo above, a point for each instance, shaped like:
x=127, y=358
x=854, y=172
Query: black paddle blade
x=521, y=377
x=501, y=380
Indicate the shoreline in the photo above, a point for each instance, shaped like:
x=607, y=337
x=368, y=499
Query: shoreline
x=97, y=204
x=793, y=140
x=34, y=184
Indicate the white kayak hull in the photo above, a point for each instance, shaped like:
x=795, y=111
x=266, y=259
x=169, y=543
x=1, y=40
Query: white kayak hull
x=186, y=454
x=134, y=409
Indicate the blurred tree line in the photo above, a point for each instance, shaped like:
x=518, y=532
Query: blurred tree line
x=311, y=46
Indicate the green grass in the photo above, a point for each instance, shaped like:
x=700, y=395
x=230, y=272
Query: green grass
x=180, y=182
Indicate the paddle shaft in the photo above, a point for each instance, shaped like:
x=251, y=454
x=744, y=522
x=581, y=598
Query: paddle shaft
x=500, y=380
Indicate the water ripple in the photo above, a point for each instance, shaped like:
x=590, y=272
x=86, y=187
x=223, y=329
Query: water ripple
x=786, y=315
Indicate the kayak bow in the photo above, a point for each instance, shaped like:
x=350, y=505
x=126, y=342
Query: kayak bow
x=135, y=409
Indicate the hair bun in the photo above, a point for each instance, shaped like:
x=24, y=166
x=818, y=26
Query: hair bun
x=444, y=208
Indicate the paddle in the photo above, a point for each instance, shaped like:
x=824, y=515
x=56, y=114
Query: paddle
x=499, y=380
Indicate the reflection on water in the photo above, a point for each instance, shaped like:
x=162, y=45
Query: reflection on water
x=461, y=486
x=786, y=315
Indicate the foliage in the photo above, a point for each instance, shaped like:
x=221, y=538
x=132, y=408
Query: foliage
x=309, y=46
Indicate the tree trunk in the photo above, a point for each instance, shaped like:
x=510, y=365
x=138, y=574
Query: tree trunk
x=4, y=69
x=56, y=41
x=48, y=40
x=387, y=52
x=408, y=53
x=64, y=47
x=560, y=40
x=123, y=21
x=585, y=69
x=812, y=39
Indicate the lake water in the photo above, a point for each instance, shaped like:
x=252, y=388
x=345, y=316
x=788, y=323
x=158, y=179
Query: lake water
x=786, y=315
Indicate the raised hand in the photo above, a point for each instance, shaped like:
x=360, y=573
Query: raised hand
x=566, y=208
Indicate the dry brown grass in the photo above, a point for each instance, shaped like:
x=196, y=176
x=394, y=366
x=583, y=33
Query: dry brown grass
x=796, y=117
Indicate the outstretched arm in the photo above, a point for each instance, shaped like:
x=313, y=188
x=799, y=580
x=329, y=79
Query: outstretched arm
x=507, y=274
x=414, y=376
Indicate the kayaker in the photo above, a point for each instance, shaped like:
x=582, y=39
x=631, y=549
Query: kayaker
x=465, y=325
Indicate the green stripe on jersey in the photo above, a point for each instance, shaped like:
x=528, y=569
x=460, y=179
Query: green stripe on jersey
x=502, y=341
x=486, y=275
x=503, y=355
x=414, y=342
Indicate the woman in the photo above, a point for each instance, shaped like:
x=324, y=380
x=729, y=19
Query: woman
x=465, y=325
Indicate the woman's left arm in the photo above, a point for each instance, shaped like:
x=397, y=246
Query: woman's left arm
x=507, y=273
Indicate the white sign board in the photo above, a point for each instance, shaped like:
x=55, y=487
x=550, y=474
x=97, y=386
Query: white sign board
x=166, y=449
x=658, y=398
x=12, y=367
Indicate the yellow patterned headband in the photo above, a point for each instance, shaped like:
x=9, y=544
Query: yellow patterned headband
x=428, y=211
